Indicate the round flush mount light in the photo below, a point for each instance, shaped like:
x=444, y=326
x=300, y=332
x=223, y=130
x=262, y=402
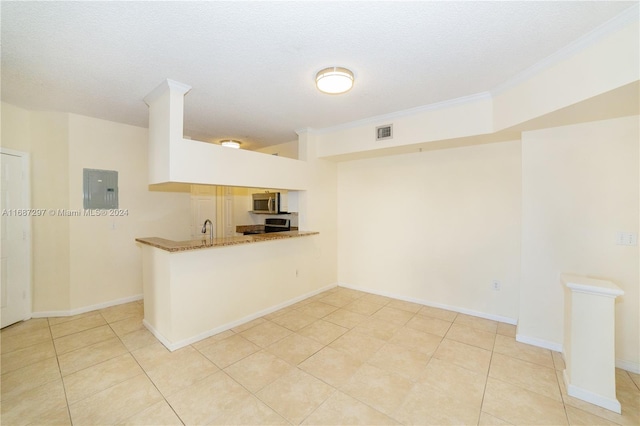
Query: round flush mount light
x=334, y=80
x=230, y=144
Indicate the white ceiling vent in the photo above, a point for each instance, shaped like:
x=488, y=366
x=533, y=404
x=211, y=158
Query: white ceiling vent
x=384, y=132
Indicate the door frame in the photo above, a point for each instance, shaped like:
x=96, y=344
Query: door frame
x=25, y=158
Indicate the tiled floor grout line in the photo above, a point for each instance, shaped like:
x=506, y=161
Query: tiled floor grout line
x=336, y=389
x=486, y=381
x=337, y=320
x=109, y=324
x=560, y=382
x=130, y=352
x=58, y=355
x=391, y=416
x=484, y=389
x=637, y=385
x=148, y=377
x=413, y=384
x=222, y=370
x=254, y=394
x=64, y=388
x=486, y=378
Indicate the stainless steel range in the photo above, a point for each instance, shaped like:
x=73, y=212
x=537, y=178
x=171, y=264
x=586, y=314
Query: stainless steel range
x=276, y=225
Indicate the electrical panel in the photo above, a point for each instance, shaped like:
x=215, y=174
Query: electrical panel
x=100, y=189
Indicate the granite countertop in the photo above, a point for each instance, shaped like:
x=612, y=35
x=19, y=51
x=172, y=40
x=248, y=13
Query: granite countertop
x=204, y=243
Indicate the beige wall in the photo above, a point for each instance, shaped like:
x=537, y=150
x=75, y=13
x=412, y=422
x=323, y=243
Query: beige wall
x=50, y=190
x=447, y=250
x=439, y=226
x=105, y=261
x=318, y=209
x=436, y=227
x=16, y=128
x=43, y=135
x=580, y=187
x=80, y=262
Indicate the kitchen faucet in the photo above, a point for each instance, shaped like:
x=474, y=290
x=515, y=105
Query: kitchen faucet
x=204, y=229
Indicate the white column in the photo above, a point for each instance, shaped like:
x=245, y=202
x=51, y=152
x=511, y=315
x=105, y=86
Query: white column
x=166, y=114
x=589, y=340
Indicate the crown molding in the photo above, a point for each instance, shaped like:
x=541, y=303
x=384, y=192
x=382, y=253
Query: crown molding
x=618, y=22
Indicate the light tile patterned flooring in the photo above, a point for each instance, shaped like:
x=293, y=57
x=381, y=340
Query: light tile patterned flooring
x=340, y=357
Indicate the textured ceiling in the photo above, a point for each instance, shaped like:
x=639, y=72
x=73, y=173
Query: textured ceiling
x=252, y=64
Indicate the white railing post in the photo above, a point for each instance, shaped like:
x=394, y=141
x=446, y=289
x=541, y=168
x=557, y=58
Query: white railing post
x=589, y=340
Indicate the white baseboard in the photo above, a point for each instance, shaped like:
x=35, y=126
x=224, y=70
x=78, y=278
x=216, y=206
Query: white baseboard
x=590, y=397
x=633, y=367
x=541, y=343
x=630, y=366
x=172, y=346
x=160, y=337
x=458, y=309
x=49, y=314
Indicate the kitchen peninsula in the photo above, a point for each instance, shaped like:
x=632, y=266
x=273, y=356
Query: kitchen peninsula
x=195, y=289
x=205, y=242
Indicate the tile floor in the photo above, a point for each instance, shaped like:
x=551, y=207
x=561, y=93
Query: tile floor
x=340, y=357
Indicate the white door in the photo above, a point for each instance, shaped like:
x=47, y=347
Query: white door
x=229, y=227
x=15, y=286
x=203, y=208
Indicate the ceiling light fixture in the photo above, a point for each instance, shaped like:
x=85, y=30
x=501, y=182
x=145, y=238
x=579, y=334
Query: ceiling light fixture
x=334, y=80
x=230, y=144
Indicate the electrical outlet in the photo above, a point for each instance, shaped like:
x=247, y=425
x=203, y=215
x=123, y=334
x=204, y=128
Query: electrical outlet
x=627, y=239
x=495, y=285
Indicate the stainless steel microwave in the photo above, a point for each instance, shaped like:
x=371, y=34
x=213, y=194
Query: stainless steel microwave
x=266, y=203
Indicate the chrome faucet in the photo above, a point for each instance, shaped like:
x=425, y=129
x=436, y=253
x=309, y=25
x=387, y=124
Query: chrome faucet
x=204, y=229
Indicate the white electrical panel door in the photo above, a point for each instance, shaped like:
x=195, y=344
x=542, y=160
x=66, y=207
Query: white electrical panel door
x=100, y=189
